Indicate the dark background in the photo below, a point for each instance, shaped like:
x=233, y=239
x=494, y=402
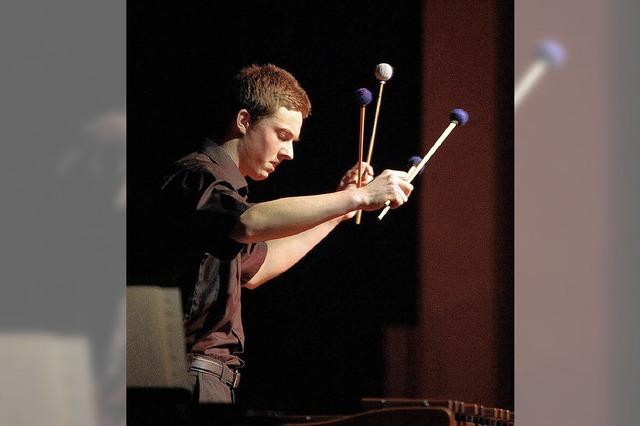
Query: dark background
x=314, y=335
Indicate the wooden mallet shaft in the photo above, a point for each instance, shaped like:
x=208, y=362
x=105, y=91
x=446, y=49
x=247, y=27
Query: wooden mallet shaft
x=458, y=117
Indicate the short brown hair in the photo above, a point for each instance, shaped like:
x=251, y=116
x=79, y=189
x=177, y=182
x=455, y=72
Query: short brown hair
x=262, y=89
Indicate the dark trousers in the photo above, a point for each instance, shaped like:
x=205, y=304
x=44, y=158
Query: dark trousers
x=209, y=389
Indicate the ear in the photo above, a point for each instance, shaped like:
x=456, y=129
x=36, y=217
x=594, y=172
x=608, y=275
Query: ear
x=242, y=121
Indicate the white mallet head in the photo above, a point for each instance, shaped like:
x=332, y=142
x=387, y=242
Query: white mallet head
x=384, y=72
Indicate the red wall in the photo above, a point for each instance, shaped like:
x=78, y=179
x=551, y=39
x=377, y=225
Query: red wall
x=461, y=347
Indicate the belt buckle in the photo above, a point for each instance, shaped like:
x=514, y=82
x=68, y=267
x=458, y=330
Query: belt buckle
x=236, y=379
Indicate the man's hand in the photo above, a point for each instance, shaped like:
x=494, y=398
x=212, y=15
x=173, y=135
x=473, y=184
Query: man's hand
x=350, y=180
x=390, y=186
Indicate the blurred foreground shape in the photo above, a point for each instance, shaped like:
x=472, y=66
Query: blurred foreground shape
x=47, y=379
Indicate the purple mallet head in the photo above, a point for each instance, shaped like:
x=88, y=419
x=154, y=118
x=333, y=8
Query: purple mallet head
x=414, y=161
x=552, y=52
x=459, y=115
x=363, y=96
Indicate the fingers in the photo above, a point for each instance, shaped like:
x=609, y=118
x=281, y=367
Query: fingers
x=402, y=190
x=390, y=186
x=351, y=177
x=399, y=179
x=367, y=169
x=406, y=187
x=367, y=172
x=395, y=173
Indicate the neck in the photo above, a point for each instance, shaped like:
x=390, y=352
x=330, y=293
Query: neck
x=231, y=148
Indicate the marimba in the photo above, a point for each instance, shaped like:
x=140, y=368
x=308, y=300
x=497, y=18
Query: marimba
x=402, y=411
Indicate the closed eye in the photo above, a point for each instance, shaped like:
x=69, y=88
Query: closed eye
x=284, y=135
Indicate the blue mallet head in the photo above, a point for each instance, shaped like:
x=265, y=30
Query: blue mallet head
x=363, y=96
x=552, y=52
x=459, y=115
x=414, y=161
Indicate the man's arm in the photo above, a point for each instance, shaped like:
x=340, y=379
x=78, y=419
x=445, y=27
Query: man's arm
x=283, y=253
x=285, y=217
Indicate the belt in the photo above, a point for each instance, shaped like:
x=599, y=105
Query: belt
x=205, y=364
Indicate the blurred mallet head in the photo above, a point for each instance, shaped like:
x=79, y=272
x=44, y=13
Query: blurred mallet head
x=460, y=116
x=384, y=72
x=551, y=52
x=414, y=162
x=363, y=96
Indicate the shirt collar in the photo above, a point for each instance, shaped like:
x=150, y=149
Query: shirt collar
x=221, y=158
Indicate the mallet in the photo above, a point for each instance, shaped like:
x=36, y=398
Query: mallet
x=383, y=73
x=549, y=54
x=456, y=117
x=363, y=98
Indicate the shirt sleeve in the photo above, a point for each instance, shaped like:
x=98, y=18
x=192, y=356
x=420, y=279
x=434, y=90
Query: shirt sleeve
x=251, y=259
x=204, y=209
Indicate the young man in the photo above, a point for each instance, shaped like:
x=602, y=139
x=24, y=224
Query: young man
x=220, y=242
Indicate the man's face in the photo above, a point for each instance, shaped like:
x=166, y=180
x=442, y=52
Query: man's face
x=268, y=142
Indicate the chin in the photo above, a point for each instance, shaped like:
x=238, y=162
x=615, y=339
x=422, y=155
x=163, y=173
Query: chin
x=260, y=175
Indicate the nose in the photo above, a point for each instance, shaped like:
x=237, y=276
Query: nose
x=286, y=151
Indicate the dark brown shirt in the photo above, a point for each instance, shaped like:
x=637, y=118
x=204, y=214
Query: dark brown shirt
x=204, y=196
